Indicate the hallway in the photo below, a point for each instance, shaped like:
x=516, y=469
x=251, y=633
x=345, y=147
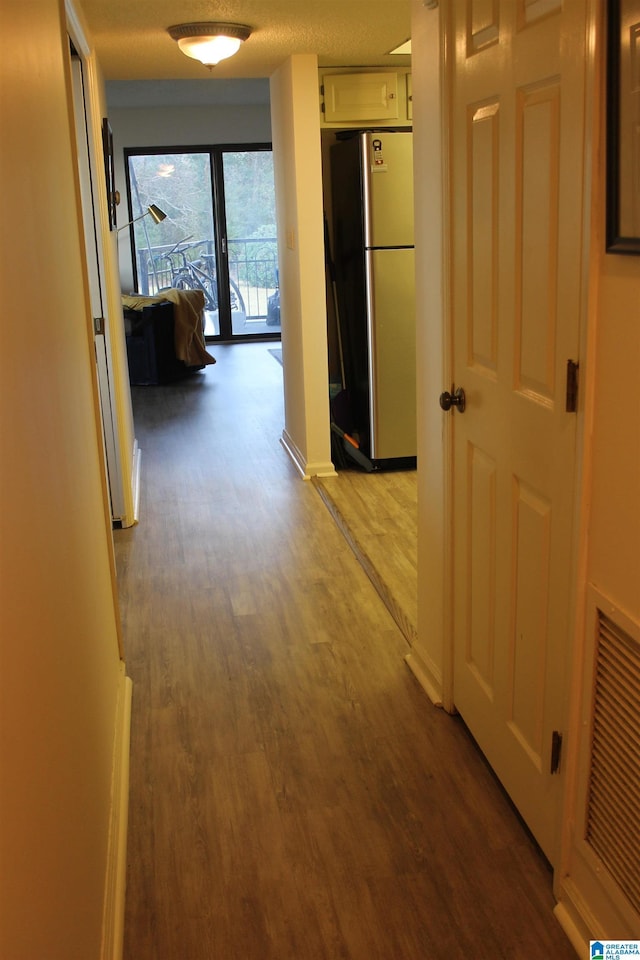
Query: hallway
x=294, y=795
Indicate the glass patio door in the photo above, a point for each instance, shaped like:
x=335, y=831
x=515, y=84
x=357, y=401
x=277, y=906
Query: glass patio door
x=218, y=235
x=251, y=247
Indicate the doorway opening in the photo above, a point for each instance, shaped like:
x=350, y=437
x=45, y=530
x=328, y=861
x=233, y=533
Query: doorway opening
x=219, y=235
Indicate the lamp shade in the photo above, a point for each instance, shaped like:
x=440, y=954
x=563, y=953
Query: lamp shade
x=156, y=214
x=209, y=42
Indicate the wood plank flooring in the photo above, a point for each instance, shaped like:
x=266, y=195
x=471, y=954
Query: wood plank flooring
x=294, y=795
x=378, y=515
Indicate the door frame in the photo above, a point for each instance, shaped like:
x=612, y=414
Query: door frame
x=109, y=423
x=431, y=656
x=114, y=398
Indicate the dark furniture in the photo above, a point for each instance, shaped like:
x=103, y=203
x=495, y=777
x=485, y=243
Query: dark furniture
x=151, y=345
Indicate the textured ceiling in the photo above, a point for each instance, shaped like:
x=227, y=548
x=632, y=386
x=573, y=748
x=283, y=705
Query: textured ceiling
x=132, y=43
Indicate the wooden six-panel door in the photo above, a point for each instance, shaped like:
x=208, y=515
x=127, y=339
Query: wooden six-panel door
x=517, y=124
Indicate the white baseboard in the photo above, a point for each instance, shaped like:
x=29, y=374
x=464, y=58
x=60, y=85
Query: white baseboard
x=114, y=900
x=135, y=480
x=430, y=682
x=305, y=469
x=573, y=928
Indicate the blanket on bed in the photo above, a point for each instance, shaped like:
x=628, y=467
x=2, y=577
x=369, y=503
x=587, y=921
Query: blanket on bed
x=187, y=322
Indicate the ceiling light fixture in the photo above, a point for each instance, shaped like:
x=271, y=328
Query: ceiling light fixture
x=209, y=42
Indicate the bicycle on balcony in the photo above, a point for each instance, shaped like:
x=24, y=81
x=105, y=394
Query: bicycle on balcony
x=196, y=274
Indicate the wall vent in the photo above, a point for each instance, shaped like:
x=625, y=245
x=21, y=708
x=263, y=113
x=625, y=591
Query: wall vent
x=613, y=803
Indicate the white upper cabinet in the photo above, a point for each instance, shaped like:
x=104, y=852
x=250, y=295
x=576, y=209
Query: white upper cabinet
x=358, y=97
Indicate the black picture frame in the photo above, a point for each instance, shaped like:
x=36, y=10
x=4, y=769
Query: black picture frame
x=109, y=171
x=622, y=184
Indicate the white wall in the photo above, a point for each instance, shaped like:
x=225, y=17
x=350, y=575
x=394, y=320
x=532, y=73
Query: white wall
x=178, y=127
x=608, y=565
x=614, y=528
x=298, y=180
x=60, y=669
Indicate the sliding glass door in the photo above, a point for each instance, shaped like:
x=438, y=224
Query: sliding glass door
x=251, y=235
x=218, y=236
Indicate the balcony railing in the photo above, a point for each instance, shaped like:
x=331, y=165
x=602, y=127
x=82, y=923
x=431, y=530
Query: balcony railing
x=192, y=264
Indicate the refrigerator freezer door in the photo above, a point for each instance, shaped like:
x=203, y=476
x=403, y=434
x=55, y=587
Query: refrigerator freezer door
x=387, y=160
x=392, y=353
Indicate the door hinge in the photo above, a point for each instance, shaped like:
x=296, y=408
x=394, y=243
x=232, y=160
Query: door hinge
x=572, y=386
x=98, y=326
x=556, y=750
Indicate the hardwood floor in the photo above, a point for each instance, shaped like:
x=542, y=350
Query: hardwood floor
x=294, y=795
x=378, y=515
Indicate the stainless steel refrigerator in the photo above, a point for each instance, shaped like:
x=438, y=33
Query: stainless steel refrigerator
x=372, y=214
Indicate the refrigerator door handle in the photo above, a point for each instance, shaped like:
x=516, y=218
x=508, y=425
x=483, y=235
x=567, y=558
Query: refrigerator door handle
x=371, y=350
x=365, y=173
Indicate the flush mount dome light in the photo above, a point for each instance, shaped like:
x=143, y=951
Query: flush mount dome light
x=209, y=42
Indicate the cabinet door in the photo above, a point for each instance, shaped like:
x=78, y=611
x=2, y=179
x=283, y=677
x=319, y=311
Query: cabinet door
x=361, y=96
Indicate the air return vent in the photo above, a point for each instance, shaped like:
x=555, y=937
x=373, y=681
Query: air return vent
x=613, y=810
